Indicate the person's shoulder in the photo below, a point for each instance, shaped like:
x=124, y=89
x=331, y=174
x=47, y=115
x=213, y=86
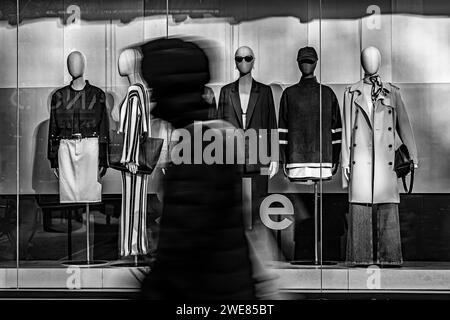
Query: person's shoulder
x=217, y=126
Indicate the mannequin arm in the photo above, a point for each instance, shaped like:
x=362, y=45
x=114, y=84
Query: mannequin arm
x=335, y=168
x=56, y=172
x=346, y=172
x=273, y=169
x=102, y=171
x=132, y=167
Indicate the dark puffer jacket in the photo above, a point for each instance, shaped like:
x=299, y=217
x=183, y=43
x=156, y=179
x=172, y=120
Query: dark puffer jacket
x=203, y=251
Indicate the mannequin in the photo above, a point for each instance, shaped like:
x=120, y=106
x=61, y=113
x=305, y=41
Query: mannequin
x=76, y=65
x=370, y=62
x=373, y=115
x=299, y=125
x=248, y=105
x=133, y=231
x=78, y=117
x=245, y=79
x=245, y=86
x=309, y=110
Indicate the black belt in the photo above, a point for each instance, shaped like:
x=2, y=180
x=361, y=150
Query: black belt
x=79, y=136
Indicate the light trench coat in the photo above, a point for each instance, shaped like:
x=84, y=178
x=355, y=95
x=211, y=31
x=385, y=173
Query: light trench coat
x=369, y=144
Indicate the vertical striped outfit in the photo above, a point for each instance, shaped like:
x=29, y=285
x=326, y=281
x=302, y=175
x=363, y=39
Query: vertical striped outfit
x=134, y=123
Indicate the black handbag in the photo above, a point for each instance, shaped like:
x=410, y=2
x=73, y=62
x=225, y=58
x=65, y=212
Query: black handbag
x=403, y=166
x=149, y=152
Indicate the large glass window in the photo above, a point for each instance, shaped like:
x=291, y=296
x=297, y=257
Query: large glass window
x=324, y=226
x=8, y=146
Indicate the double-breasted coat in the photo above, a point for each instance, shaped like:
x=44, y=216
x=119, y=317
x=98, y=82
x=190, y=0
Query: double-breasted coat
x=369, y=144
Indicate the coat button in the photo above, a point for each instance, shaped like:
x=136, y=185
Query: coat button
x=390, y=146
x=354, y=144
x=390, y=111
x=390, y=163
x=356, y=127
x=353, y=162
x=390, y=129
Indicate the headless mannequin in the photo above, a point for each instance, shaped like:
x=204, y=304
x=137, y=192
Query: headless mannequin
x=129, y=66
x=245, y=87
x=370, y=62
x=76, y=65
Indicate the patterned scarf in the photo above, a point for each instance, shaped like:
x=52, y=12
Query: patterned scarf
x=377, y=87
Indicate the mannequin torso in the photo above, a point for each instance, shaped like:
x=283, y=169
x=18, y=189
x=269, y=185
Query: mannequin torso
x=129, y=66
x=309, y=159
x=76, y=65
x=245, y=86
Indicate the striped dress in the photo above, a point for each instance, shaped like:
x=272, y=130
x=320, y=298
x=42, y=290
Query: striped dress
x=134, y=122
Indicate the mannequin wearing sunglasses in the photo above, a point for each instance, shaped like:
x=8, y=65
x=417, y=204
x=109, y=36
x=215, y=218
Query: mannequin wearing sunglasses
x=248, y=104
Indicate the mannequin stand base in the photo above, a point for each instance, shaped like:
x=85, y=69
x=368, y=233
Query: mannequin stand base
x=84, y=263
x=129, y=264
x=312, y=263
x=134, y=262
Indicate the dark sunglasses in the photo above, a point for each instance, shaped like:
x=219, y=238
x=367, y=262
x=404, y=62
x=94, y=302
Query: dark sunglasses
x=239, y=59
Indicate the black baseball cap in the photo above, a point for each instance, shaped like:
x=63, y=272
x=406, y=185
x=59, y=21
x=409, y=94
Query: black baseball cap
x=307, y=54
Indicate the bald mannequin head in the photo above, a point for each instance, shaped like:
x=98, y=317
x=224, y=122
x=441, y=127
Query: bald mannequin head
x=371, y=60
x=244, y=66
x=130, y=62
x=76, y=64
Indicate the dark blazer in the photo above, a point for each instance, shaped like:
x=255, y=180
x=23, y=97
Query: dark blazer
x=260, y=111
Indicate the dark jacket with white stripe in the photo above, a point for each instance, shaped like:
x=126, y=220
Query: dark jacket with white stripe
x=299, y=124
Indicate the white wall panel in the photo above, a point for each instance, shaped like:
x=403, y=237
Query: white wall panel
x=8, y=55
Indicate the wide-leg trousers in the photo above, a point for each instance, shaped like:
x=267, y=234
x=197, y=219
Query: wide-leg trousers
x=374, y=235
x=133, y=230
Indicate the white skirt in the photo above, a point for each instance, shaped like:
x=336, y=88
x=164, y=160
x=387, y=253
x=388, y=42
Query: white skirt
x=78, y=171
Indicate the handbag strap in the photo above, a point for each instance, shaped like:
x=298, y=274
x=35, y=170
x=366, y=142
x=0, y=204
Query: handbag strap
x=411, y=181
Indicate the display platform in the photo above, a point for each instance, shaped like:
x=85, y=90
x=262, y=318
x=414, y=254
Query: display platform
x=51, y=275
x=412, y=277
x=418, y=277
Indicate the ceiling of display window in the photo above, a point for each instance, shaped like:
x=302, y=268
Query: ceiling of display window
x=235, y=11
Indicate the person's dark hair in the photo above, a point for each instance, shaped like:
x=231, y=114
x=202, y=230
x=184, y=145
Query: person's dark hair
x=177, y=71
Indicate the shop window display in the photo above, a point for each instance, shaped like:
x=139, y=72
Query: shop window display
x=379, y=68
